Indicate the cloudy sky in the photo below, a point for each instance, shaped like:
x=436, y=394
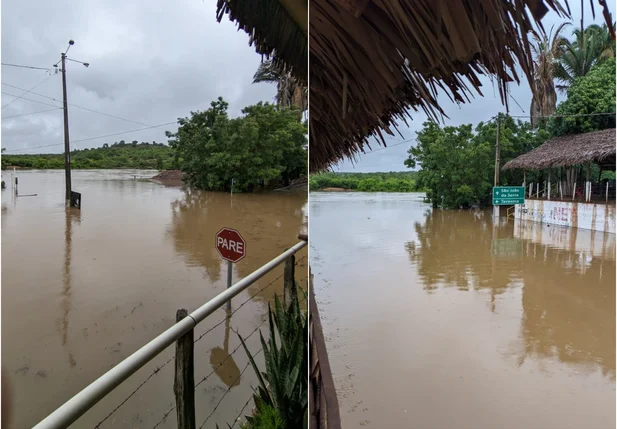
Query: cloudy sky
x=150, y=62
x=480, y=109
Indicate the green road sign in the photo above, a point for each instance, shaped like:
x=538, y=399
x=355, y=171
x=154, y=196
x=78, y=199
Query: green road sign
x=508, y=195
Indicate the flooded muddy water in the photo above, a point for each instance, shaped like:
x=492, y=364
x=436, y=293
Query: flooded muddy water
x=82, y=290
x=444, y=319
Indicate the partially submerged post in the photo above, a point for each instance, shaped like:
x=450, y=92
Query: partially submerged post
x=184, y=381
x=496, y=208
x=289, y=288
x=67, y=151
x=588, y=183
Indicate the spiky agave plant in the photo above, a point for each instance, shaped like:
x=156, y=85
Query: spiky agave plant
x=284, y=384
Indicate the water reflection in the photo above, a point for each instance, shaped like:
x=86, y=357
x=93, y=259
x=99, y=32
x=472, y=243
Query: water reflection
x=222, y=362
x=270, y=224
x=72, y=216
x=455, y=249
x=567, y=278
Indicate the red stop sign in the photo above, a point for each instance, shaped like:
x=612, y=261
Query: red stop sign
x=230, y=245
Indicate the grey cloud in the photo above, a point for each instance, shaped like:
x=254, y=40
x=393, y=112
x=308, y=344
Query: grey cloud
x=150, y=62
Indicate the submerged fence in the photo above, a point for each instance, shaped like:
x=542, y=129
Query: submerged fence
x=182, y=334
x=596, y=192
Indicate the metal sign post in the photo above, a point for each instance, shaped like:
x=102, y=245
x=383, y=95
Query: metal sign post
x=230, y=267
x=232, y=247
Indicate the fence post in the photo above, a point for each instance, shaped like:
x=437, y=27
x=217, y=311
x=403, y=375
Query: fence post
x=184, y=380
x=289, y=280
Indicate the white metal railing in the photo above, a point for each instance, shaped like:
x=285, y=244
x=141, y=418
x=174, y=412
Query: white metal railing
x=75, y=407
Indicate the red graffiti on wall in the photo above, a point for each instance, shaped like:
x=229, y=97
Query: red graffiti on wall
x=561, y=214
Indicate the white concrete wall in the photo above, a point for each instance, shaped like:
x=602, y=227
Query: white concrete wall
x=596, y=217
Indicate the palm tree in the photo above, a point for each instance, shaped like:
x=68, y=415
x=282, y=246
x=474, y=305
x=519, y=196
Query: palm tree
x=589, y=48
x=547, y=50
x=289, y=91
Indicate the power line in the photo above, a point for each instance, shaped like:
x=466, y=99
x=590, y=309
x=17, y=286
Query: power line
x=32, y=113
x=388, y=147
x=29, y=99
x=565, y=116
x=25, y=67
x=35, y=147
x=29, y=90
x=125, y=132
x=80, y=107
x=98, y=137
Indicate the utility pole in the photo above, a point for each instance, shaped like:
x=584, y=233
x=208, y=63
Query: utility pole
x=498, y=151
x=67, y=150
x=496, y=209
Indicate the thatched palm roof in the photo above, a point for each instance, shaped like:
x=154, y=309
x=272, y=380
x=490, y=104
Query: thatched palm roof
x=574, y=149
x=277, y=28
x=371, y=60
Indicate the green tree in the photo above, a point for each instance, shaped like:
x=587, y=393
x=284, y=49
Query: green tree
x=260, y=149
x=589, y=48
x=590, y=94
x=289, y=92
x=457, y=164
x=546, y=49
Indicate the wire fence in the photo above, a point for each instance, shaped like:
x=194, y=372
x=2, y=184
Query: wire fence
x=232, y=384
x=158, y=369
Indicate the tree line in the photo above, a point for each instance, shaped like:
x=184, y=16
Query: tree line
x=263, y=148
x=121, y=154
x=365, y=182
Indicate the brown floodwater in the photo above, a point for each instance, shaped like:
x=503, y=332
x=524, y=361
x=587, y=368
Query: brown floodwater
x=444, y=319
x=82, y=290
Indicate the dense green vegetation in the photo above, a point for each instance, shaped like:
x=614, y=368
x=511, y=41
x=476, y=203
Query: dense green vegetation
x=458, y=163
x=366, y=182
x=118, y=155
x=281, y=399
x=558, y=58
x=592, y=93
x=262, y=149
